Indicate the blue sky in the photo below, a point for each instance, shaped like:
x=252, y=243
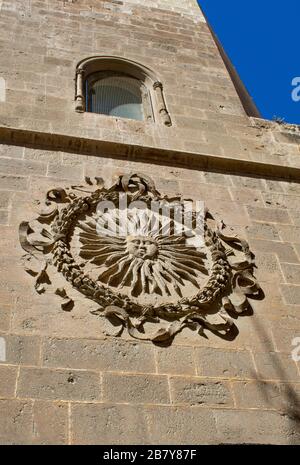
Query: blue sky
x=262, y=39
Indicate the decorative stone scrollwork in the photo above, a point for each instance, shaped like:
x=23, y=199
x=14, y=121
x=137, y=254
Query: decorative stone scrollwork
x=148, y=274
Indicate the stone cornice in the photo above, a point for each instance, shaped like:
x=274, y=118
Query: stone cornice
x=109, y=149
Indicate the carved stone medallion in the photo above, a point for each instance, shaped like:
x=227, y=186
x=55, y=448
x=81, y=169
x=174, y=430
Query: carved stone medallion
x=125, y=248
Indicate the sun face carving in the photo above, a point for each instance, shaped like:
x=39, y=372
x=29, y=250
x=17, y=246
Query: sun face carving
x=141, y=247
x=146, y=261
x=149, y=271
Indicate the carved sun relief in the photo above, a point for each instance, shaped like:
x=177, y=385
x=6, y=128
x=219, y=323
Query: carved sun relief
x=145, y=260
x=144, y=269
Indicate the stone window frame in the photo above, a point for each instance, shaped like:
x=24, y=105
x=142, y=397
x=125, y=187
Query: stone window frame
x=135, y=70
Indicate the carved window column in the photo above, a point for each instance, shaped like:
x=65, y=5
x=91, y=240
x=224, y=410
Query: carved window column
x=162, y=110
x=79, y=94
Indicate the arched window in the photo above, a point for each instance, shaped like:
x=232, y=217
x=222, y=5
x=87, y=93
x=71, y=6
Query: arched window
x=117, y=94
x=122, y=88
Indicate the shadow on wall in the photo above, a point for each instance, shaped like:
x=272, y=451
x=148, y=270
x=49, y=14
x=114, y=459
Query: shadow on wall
x=290, y=399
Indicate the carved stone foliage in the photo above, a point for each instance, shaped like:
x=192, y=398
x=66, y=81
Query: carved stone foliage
x=123, y=248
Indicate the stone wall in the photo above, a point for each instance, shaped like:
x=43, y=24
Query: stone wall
x=103, y=389
x=64, y=381
x=48, y=38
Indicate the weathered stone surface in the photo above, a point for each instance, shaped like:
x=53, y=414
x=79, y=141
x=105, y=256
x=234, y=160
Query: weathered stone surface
x=106, y=355
x=108, y=424
x=49, y=423
x=276, y=366
x=60, y=171
x=42, y=155
x=241, y=167
x=167, y=185
x=256, y=427
x=297, y=248
x=5, y=315
x=22, y=167
x=290, y=398
x=284, y=251
x=247, y=196
x=199, y=391
x=217, y=178
x=5, y=199
x=268, y=268
x=275, y=186
x=8, y=377
x=13, y=183
x=220, y=363
x=271, y=215
x=248, y=182
x=181, y=425
x=263, y=231
x=257, y=394
x=15, y=422
x=295, y=214
x=233, y=213
x=281, y=200
x=284, y=336
x=291, y=273
x=140, y=389
x=43, y=383
x=175, y=360
x=3, y=217
x=23, y=350
x=289, y=233
x=11, y=151
x=291, y=294
x=27, y=422
x=255, y=332
x=203, y=193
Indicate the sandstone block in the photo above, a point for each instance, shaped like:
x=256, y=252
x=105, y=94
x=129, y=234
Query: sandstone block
x=276, y=366
x=43, y=383
x=108, y=424
x=220, y=363
x=142, y=389
x=257, y=394
x=22, y=350
x=291, y=273
x=8, y=376
x=291, y=294
x=100, y=355
x=267, y=427
x=198, y=391
x=175, y=360
x=22, y=167
x=270, y=215
x=181, y=425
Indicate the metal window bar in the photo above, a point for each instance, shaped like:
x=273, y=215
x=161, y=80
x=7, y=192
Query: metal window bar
x=116, y=95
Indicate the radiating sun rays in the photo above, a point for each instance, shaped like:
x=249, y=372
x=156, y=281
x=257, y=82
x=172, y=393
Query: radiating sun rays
x=141, y=250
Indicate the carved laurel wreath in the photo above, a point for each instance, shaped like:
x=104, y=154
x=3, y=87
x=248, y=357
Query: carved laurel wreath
x=230, y=282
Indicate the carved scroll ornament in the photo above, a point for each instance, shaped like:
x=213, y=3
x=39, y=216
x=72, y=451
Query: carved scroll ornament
x=143, y=277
